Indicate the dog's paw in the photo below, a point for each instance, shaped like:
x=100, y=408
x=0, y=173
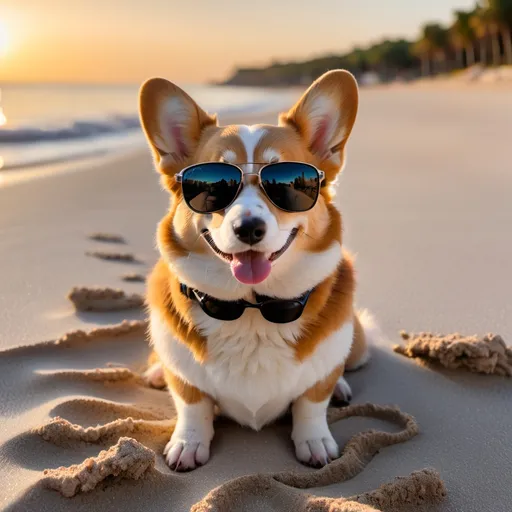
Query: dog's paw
x=187, y=452
x=154, y=376
x=342, y=392
x=314, y=444
x=317, y=451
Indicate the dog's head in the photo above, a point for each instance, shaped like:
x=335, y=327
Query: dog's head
x=251, y=245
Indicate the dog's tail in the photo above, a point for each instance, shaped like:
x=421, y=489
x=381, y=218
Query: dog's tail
x=366, y=334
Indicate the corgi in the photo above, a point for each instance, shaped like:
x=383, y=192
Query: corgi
x=251, y=304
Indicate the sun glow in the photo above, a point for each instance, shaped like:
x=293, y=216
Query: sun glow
x=4, y=39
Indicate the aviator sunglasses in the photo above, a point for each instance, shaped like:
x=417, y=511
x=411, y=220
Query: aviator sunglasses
x=213, y=186
x=277, y=311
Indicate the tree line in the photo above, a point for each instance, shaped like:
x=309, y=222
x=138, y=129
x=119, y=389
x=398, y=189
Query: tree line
x=481, y=35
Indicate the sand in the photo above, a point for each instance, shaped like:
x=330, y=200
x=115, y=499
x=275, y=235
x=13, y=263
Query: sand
x=113, y=256
x=134, y=278
x=488, y=354
x=108, y=238
x=432, y=255
x=103, y=299
x=127, y=458
x=135, y=437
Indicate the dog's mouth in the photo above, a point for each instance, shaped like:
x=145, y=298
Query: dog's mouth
x=250, y=267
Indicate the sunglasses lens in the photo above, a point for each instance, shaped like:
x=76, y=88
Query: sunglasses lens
x=291, y=186
x=222, y=310
x=282, y=311
x=210, y=187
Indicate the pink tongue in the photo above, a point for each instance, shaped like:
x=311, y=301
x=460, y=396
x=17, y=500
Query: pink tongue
x=250, y=267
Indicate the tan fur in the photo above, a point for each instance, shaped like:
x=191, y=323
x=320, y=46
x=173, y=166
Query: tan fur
x=189, y=394
x=323, y=389
x=344, y=94
x=359, y=346
x=153, y=358
x=329, y=307
x=152, y=95
x=165, y=297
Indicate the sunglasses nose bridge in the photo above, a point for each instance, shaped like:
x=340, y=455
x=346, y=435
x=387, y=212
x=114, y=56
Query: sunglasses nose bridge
x=251, y=178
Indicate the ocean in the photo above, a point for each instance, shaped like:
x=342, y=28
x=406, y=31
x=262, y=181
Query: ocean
x=46, y=124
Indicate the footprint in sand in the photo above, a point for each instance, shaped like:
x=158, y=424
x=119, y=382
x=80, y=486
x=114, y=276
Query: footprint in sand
x=125, y=257
x=107, y=238
x=134, y=278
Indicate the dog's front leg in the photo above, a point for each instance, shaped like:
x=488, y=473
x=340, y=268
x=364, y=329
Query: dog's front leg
x=189, y=446
x=314, y=444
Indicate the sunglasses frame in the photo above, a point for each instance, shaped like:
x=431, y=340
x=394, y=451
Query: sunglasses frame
x=200, y=297
x=321, y=177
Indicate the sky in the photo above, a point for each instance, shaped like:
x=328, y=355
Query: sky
x=191, y=41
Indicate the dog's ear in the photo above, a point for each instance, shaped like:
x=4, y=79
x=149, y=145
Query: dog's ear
x=172, y=122
x=324, y=117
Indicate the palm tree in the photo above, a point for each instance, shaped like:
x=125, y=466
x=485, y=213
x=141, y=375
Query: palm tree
x=501, y=12
x=462, y=37
x=489, y=20
x=458, y=44
x=437, y=39
x=421, y=49
x=480, y=25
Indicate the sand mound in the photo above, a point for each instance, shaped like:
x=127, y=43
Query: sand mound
x=63, y=433
x=134, y=278
x=128, y=459
x=125, y=328
x=126, y=257
x=103, y=299
x=108, y=238
x=419, y=488
x=489, y=355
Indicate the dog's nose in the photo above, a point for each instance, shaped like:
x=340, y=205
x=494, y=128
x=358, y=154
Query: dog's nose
x=250, y=231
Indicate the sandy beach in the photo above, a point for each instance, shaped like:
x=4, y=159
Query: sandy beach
x=426, y=204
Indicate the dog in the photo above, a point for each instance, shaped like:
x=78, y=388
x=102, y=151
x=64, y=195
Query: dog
x=241, y=256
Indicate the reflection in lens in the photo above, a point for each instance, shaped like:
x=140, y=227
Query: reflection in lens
x=282, y=312
x=222, y=310
x=291, y=186
x=210, y=187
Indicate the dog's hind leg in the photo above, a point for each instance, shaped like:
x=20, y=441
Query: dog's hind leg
x=154, y=375
x=366, y=333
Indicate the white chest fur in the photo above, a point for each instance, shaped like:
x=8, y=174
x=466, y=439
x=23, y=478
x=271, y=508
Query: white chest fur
x=251, y=371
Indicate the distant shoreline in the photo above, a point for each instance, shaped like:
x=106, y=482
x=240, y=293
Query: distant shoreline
x=449, y=80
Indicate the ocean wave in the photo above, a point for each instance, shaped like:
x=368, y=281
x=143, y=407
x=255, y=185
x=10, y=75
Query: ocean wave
x=77, y=129
x=118, y=124
x=27, y=143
